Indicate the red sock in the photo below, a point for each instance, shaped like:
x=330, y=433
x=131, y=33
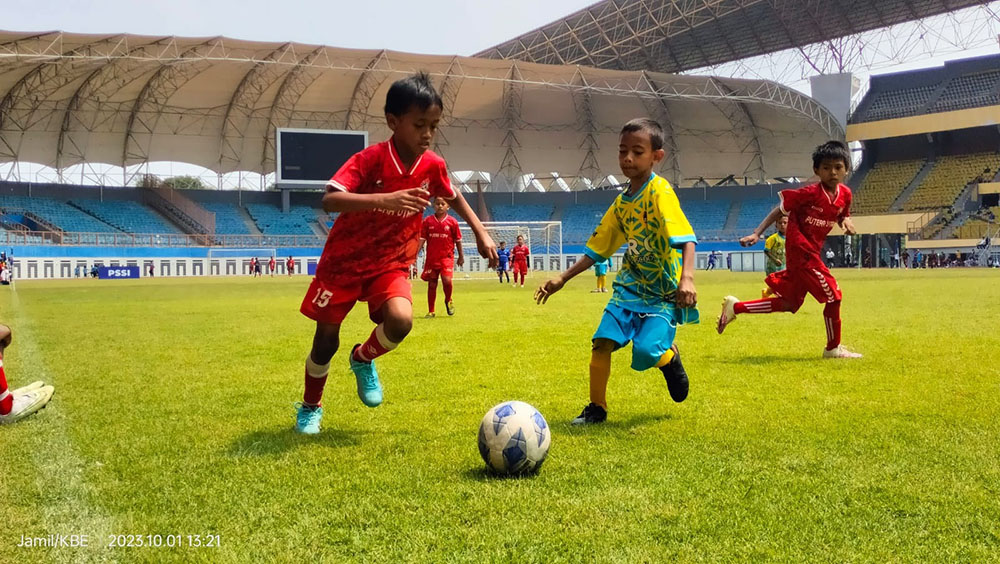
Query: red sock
x=831, y=315
x=767, y=305
x=315, y=381
x=6, y=400
x=448, y=286
x=376, y=345
x=432, y=290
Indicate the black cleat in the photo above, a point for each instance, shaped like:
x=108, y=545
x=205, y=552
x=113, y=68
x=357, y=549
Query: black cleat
x=676, y=377
x=593, y=413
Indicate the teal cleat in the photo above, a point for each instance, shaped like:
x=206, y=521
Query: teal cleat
x=369, y=388
x=307, y=419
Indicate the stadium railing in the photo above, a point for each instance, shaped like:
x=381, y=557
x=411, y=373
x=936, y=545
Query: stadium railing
x=157, y=239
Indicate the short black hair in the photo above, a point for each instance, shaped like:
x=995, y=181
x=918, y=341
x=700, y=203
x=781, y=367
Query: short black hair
x=651, y=127
x=833, y=150
x=415, y=90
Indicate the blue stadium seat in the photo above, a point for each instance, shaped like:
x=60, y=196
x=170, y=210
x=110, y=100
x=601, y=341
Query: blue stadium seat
x=129, y=216
x=533, y=212
x=58, y=213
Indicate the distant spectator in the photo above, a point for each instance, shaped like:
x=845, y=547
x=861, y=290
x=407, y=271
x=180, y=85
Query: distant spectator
x=729, y=261
x=830, y=255
x=895, y=259
x=272, y=265
x=150, y=270
x=906, y=259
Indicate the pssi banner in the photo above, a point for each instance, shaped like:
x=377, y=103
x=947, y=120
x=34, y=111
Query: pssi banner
x=117, y=272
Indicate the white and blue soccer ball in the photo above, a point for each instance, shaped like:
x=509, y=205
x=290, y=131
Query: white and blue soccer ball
x=514, y=438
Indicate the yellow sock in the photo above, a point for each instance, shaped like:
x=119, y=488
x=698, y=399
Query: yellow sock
x=600, y=373
x=601, y=282
x=665, y=359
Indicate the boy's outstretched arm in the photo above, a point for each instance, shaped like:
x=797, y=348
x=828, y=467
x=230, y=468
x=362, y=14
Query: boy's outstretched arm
x=554, y=285
x=753, y=238
x=687, y=296
x=487, y=248
x=414, y=200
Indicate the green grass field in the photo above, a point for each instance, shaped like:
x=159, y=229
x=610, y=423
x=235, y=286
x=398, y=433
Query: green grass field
x=173, y=416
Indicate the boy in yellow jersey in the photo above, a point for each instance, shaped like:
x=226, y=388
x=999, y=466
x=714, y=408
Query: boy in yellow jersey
x=601, y=272
x=774, y=250
x=654, y=290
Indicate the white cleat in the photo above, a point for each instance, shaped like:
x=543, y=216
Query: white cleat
x=30, y=387
x=27, y=403
x=840, y=352
x=728, y=314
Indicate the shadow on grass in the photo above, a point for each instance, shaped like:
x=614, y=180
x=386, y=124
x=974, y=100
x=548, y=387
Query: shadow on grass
x=273, y=442
x=484, y=474
x=762, y=359
x=614, y=424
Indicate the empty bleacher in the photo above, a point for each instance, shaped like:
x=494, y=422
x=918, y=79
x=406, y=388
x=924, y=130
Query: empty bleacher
x=578, y=222
x=228, y=218
x=272, y=221
x=948, y=178
x=892, y=104
x=976, y=227
x=882, y=185
x=126, y=215
x=706, y=215
x=970, y=91
x=753, y=212
x=530, y=212
x=58, y=213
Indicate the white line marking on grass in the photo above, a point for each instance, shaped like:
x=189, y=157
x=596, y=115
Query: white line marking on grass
x=60, y=470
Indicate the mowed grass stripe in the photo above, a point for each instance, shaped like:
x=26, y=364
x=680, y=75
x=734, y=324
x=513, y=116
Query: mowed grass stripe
x=64, y=496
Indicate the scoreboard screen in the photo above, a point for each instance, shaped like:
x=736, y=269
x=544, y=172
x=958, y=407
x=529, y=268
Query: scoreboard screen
x=309, y=157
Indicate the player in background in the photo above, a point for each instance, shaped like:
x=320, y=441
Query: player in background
x=601, y=272
x=290, y=266
x=654, y=290
x=272, y=265
x=441, y=234
x=774, y=250
x=812, y=211
x=519, y=254
x=503, y=260
x=17, y=404
x=380, y=194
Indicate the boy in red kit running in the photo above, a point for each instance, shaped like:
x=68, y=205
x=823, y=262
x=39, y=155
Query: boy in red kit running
x=519, y=257
x=812, y=211
x=380, y=193
x=441, y=234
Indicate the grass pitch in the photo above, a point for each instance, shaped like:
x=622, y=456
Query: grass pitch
x=173, y=416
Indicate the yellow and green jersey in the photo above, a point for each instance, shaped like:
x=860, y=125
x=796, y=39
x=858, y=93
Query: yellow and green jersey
x=775, y=246
x=654, y=229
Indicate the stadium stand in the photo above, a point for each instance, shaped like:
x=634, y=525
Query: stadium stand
x=976, y=227
x=59, y=214
x=126, y=215
x=970, y=91
x=228, y=219
x=947, y=179
x=892, y=104
x=579, y=222
x=883, y=184
x=271, y=221
x=753, y=212
x=706, y=216
x=531, y=212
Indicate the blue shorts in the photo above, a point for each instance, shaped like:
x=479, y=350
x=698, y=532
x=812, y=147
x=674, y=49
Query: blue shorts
x=601, y=270
x=651, y=334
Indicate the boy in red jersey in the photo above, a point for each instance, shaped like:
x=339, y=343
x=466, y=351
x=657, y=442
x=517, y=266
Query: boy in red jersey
x=380, y=193
x=272, y=264
x=290, y=266
x=812, y=211
x=17, y=404
x=519, y=256
x=441, y=234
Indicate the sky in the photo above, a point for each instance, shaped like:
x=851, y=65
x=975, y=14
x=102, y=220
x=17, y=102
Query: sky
x=441, y=27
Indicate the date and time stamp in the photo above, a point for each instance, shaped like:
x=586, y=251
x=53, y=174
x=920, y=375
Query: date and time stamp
x=121, y=541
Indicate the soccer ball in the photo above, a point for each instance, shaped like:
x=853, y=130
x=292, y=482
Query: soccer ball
x=514, y=438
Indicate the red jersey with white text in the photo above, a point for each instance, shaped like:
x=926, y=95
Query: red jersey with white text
x=812, y=212
x=519, y=254
x=363, y=244
x=441, y=236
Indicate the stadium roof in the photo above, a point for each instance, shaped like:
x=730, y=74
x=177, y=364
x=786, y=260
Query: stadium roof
x=678, y=35
x=125, y=100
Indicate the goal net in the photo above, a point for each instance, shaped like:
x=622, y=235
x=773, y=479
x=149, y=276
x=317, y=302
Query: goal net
x=544, y=240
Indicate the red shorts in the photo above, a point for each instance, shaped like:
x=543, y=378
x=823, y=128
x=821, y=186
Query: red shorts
x=521, y=267
x=326, y=302
x=444, y=267
x=793, y=284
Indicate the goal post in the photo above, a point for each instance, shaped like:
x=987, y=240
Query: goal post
x=544, y=240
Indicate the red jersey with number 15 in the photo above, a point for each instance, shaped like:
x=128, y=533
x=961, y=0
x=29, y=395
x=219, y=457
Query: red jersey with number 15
x=812, y=212
x=363, y=244
x=519, y=254
x=441, y=236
